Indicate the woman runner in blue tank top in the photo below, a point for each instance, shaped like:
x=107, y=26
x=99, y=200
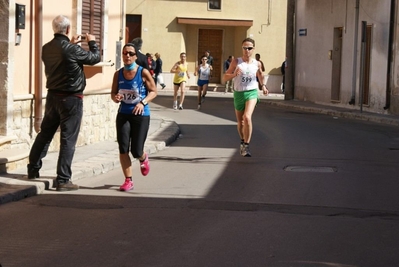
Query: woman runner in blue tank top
x=133, y=88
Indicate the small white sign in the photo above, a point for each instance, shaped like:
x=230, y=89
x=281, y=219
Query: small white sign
x=303, y=32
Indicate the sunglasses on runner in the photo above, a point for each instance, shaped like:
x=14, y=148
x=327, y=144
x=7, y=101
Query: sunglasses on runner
x=129, y=53
x=248, y=48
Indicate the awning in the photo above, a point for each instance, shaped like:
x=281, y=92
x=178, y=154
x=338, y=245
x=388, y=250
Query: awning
x=215, y=22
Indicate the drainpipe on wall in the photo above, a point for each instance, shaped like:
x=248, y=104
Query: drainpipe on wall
x=354, y=71
x=390, y=54
x=121, y=32
x=38, y=66
x=290, y=51
x=122, y=18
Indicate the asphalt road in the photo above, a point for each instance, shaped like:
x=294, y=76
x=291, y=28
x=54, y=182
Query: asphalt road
x=318, y=191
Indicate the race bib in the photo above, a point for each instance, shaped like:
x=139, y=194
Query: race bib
x=181, y=74
x=246, y=79
x=130, y=96
x=204, y=75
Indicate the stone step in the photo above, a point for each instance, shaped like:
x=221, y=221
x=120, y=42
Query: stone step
x=6, y=139
x=12, y=155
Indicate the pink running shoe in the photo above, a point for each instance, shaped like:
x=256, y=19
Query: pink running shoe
x=127, y=185
x=145, y=166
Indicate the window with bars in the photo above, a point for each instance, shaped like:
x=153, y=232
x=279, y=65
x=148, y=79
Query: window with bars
x=214, y=4
x=92, y=20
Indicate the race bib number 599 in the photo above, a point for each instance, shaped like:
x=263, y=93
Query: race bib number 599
x=247, y=79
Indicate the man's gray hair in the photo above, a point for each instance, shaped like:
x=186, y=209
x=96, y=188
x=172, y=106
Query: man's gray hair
x=61, y=24
x=138, y=42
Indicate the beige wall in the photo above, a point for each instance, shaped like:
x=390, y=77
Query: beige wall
x=22, y=53
x=98, y=77
x=99, y=110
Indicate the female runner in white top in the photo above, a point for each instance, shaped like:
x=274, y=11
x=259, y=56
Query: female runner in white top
x=245, y=70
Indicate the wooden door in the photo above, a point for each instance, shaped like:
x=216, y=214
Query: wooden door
x=212, y=39
x=133, y=27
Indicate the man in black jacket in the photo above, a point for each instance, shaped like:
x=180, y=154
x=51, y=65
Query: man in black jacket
x=142, y=59
x=63, y=61
x=209, y=57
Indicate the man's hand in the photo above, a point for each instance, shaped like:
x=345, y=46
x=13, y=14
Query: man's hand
x=78, y=38
x=75, y=39
x=90, y=37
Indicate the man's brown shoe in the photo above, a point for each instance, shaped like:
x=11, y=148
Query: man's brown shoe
x=67, y=186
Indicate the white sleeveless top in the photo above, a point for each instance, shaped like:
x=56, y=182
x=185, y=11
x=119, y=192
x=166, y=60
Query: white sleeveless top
x=247, y=79
x=204, y=72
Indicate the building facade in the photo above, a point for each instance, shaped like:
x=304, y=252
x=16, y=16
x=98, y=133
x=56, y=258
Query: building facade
x=345, y=54
x=167, y=27
x=172, y=27
x=25, y=27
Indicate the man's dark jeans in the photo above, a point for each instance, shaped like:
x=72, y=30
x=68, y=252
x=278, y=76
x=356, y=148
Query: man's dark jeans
x=64, y=111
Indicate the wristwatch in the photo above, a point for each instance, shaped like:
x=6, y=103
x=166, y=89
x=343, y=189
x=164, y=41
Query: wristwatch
x=144, y=102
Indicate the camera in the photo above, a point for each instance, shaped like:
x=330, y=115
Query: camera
x=82, y=37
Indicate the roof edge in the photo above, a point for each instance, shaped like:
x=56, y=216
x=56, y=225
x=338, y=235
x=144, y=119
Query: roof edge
x=215, y=22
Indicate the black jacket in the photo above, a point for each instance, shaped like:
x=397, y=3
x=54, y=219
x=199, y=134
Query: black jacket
x=142, y=60
x=158, y=66
x=64, y=62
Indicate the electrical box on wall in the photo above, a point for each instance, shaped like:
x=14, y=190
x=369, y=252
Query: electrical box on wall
x=118, y=55
x=19, y=16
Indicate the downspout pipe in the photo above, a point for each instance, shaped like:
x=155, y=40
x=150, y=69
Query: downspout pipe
x=355, y=40
x=38, y=103
x=390, y=54
x=289, y=50
x=122, y=18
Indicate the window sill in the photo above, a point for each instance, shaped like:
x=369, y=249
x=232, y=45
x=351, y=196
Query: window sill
x=102, y=64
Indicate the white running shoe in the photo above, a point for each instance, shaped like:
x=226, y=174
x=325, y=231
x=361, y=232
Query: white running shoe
x=245, y=151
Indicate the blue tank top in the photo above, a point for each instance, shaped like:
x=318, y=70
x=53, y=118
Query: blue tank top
x=133, y=92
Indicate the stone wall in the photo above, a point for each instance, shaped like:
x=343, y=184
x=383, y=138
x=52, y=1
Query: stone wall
x=4, y=64
x=98, y=123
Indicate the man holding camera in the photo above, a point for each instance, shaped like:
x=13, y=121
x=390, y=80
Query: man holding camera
x=63, y=61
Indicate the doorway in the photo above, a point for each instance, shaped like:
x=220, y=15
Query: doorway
x=211, y=39
x=336, y=65
x=133, y=27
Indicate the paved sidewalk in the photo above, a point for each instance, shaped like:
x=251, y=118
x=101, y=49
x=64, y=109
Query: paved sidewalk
x=99, y=158
x=353, y=113
x=88, y=161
